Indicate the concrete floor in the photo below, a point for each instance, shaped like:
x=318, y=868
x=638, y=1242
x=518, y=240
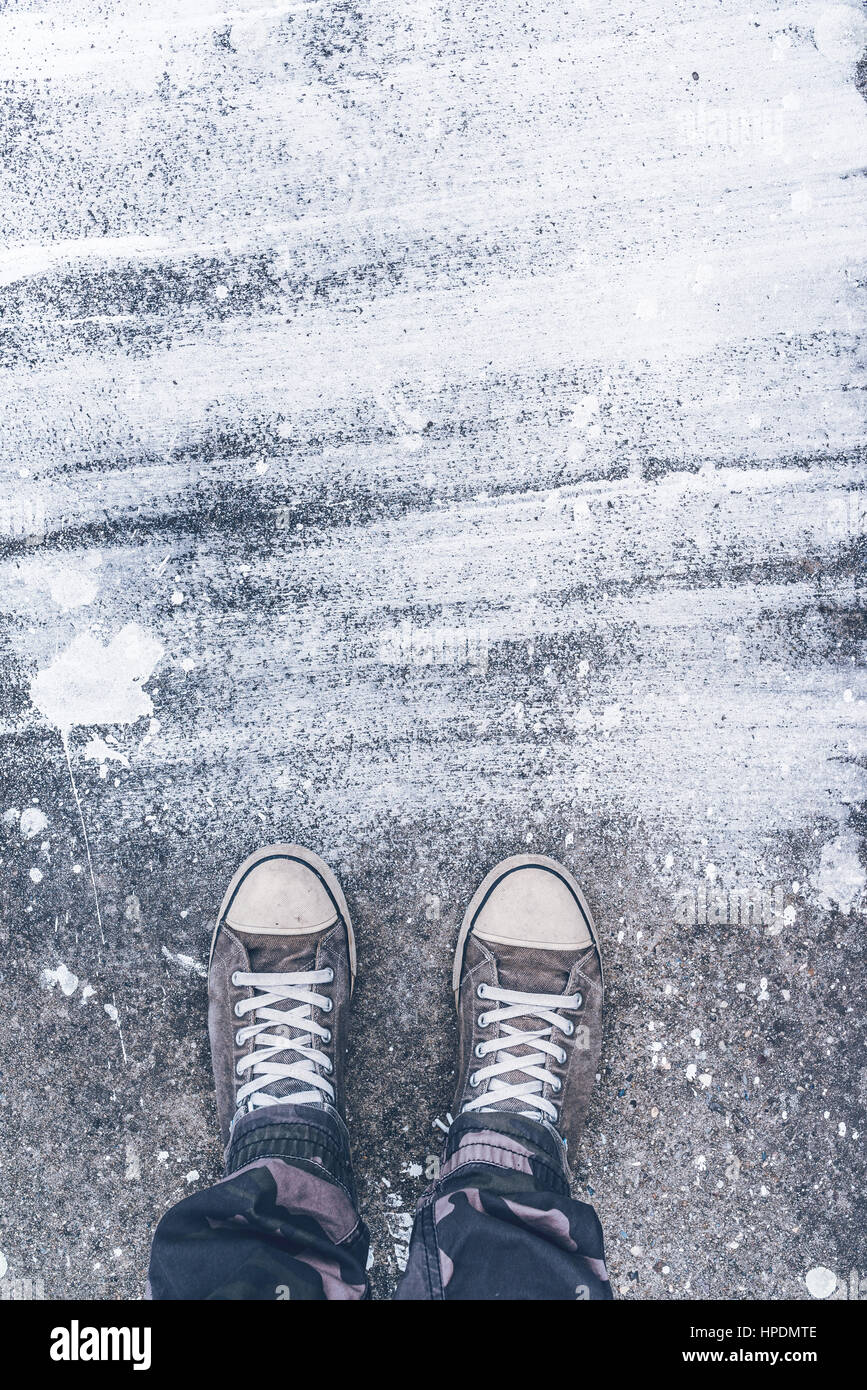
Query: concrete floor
x=430, y=432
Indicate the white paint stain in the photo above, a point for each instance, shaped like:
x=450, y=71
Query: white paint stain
x=186, y=962
x=94, y=684
x=99, y=751
x=820, y=1281
x=111, y=1010
x=62, y=977
x=90, y=683
x=399, y=1226
x=132, y=1171
x=840, y=32
x=73, y=586
x=33, y=822
x=840, y=878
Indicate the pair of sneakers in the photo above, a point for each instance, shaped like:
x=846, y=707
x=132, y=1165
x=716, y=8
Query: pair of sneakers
x=527, y=980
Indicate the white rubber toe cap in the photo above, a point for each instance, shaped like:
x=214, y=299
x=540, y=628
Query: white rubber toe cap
x=532, y=905
x=280, y=895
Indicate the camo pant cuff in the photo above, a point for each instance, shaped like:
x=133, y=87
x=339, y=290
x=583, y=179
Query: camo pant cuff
x=303, y=1135
x=504, y=1140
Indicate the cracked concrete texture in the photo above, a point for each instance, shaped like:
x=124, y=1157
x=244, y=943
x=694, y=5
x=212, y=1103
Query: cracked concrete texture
x=428, y=435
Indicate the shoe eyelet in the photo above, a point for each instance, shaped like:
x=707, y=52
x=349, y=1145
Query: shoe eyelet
x=562, y=1056
x=235, y=974
x=474, y=1080
x=239, y=1012
x=482, y=1020
x=568, y=1027
x=482, y=992
x=329, y=1069
x=239, y=1070
x=326, y=1036
x=330, y=979
x=556, y=1085
x=327, y=1006
x=239, y=1041
x=579, y=1000
x=480, y=1049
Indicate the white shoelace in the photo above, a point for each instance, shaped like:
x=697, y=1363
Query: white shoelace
x=514, y=1004
x=269, y=1030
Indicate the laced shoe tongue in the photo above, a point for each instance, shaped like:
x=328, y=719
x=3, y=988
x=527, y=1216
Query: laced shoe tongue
x=531, y=972
x=271, y=954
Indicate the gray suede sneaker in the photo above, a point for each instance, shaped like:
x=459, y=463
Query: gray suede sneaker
x=280, y=976
x=528, y=990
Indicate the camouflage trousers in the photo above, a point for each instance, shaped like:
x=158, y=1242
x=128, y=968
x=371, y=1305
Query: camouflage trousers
x=498, y=1222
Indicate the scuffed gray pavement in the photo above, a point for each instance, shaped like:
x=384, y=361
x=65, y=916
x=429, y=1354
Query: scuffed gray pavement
x=426, y=434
